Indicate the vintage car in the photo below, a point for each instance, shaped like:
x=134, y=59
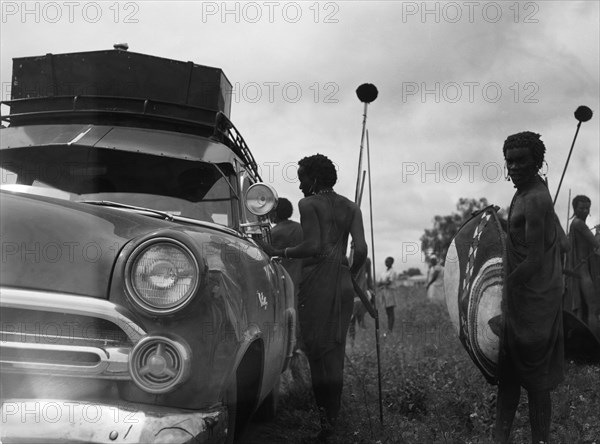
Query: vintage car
x=136, y=302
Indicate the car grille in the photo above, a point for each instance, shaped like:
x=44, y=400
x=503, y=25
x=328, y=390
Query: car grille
x=65, y=335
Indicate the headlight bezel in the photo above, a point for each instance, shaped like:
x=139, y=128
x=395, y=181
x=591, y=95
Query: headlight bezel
x=133, y=294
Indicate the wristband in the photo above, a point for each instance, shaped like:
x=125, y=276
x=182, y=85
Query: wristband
x=285, y=255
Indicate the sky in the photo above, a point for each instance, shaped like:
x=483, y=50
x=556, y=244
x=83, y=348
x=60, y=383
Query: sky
x=454, y=80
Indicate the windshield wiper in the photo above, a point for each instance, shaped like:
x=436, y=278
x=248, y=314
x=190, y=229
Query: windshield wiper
x=108, y=203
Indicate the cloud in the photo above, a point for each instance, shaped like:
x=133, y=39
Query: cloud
x=450, y=91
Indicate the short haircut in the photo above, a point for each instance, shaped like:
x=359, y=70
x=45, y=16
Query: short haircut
x=284, y=209
x=319, y=167
x=580, y=198
x=389, y=258
x=529, y=140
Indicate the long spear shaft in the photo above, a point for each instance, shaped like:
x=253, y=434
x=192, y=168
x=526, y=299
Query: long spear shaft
x=374, y=277
x=582, y=114
x=568, y=212
x=366, y=93
x=566, y=164
x=360, y=154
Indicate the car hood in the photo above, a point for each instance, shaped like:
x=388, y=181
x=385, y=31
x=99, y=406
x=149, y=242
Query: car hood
x=57, y=245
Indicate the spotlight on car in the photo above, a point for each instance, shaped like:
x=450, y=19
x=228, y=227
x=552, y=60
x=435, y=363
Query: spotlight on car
x=261, y=199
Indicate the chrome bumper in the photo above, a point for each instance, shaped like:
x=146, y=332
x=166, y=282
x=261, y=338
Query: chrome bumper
x=67, y=421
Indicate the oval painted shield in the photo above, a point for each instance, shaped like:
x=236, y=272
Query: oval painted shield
x=474, y=284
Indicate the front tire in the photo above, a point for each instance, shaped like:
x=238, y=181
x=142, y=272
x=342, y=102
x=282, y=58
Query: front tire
x=268, y=409
x=231, y=403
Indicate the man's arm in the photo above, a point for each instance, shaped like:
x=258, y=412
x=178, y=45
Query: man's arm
x=358, y=238
x=580, y=227
x=369, y=272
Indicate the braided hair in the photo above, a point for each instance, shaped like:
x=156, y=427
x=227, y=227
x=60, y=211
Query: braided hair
x=321, y=168
x=528, y=140
x=580, y=198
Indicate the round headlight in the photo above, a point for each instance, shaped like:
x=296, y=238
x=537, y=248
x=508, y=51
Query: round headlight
x=162, y=275
x=261, y=199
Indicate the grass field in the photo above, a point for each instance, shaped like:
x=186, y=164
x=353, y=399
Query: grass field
x=431, y=391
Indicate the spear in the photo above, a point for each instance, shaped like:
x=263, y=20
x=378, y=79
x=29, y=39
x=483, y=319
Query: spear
x=582, y=114
x=367, y=93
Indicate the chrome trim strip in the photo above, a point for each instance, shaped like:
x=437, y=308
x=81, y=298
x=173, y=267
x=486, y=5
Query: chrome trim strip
x=112, y=361
x=65, y=303
x=30, y=338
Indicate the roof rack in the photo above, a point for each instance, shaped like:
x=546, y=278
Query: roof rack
x=225, y=131
x=66, y=107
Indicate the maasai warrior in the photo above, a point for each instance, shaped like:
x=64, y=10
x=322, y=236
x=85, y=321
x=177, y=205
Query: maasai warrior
x=325, y=301
x=386, y=292
x=532, y=352
x=583, y=295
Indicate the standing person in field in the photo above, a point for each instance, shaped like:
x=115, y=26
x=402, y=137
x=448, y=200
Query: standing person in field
x=326, y=297
x=386, y=289
x=532, y=355
x=583, y=295
x=435, y=281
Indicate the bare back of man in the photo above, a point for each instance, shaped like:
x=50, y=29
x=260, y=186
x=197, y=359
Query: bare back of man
x=325, y=218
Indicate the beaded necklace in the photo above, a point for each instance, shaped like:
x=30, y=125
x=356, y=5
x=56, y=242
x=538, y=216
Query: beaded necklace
x=325, y=190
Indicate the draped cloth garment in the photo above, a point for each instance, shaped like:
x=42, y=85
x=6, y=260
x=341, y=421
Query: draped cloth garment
x=585, y=272
x=533, y=351
x=326, y=297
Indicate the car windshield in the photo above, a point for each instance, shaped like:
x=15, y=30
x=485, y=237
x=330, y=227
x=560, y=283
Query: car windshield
x=180, y=187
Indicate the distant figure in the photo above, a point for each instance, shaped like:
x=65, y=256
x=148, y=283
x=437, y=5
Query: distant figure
x=364, y=280
x=326, y=297
x=287, y=233
x=386, y=286
x=583, y=293
x=532, y=352
x=435, y=281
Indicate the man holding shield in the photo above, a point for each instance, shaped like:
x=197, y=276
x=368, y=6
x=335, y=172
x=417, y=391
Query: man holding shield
x=532, y=352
